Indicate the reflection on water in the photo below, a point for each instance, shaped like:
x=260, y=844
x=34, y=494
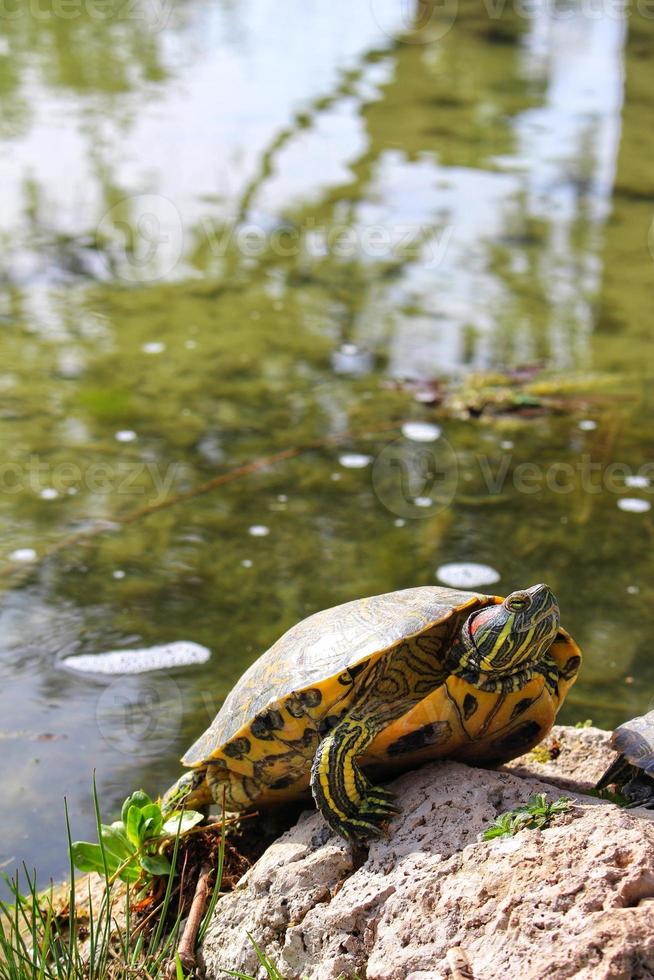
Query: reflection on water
x=227, y=235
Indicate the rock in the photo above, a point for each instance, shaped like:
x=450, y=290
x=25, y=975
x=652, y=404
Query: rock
x=433, y=902
x=580, y=756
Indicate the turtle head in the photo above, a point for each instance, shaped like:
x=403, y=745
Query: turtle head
x=190, y=792
x=503, y=638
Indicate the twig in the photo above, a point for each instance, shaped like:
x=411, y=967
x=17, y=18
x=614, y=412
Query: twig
x=238, y=472
x=186, y=949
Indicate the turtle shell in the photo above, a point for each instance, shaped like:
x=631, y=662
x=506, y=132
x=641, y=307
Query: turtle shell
x=266, y=734
x=635, y=741
x=311, y=667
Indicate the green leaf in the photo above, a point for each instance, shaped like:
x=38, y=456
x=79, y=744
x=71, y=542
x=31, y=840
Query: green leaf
x=179, y=969
x=152, y=821
x=189, y=819
x=562, y=805
x=156, y=864
x=134, y=825
x=139, y=799
x=117, y=845
x=117, y=851
x=491, y=832
x=88, y=857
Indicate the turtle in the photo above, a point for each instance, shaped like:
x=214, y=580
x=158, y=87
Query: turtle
x=377, y=685
x=633, y=769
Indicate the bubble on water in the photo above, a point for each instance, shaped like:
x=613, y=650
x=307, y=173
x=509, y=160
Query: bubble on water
x=247, y=563
x=506, y=444
x=350, y=359
x=49, y=493
x=118, y=574
x=423, y=501
x=354, y=461
x=23, y=554
x=634, y=505
x=211, y=448
x=182, y=653
x=259, y=530
x=154, y=347
x=587, y=425
x=421, y=431
x=637, y=482
x=399, y=522
x=467, y=574
x=633, y=589
x=282, y=498
x=125, y=435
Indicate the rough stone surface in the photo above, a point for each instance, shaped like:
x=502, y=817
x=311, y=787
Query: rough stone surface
x=432, y=902
x=580, y=757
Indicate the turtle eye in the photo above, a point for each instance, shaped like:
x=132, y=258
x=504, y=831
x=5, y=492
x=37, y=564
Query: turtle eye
x=516, y=603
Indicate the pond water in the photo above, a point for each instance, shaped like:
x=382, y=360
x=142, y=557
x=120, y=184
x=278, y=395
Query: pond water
x=229, y=231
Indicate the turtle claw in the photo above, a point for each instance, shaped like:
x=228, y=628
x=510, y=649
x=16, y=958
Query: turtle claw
x=356, y=830
x=379, y=793
x=377, y=799
x=370, y=818
x=377, y=809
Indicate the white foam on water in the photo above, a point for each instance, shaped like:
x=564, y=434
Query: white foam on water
x=634, y=505
x=421, y=431
x=23, y=554
x=467, y=574
x=259, y=530
x=182, y=653
x=354, y=461
x=637, y=482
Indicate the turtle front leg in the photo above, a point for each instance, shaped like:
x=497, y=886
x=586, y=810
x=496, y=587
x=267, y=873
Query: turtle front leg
x=348, y=801
x=350, y=804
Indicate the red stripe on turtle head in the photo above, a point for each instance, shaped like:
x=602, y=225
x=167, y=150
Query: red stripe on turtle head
x=482, y=618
